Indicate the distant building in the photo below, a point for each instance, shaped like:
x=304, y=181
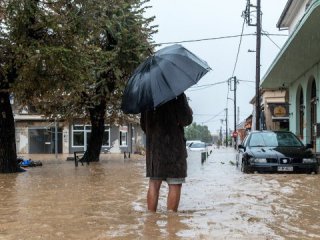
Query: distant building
x=36, y=134
x=274, y=113
x=243, y=128
x=275, y=110
x=297, y=68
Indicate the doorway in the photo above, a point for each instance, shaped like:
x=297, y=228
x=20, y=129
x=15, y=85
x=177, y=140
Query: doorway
x=301, y=114
x=313, y=112
x=42, y=140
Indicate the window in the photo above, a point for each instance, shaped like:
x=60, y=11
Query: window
x=78, y=136
x=256, y=140
x=78, y=139
x=106, y=137
x=81, y=135
x=263, y=140
x=123, y=137
x=288, y=140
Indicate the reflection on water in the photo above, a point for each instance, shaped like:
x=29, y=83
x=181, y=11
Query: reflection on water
x=106, y=200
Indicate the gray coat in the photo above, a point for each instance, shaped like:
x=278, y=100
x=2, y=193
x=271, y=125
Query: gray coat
x=166, y=150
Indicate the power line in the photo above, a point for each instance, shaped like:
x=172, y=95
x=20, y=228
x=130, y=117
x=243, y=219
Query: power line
x=270, y=39
x=240, y=80
x=205, y=86
x=213, y=117
x=235, y=81
x=201, y=87
x=219, y=38
x=237, y=57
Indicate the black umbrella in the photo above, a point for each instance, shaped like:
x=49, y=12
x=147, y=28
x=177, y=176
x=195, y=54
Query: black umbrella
x=162, y=77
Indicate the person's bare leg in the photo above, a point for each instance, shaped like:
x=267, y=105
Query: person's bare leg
x=153, y=194
x=174, y=197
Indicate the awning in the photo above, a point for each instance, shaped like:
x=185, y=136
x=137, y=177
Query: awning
x=300, y=52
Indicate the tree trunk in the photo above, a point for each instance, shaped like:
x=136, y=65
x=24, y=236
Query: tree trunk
x=8, y=154
x=97, y=115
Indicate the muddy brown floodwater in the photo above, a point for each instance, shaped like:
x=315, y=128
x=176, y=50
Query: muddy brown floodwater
x=106, y=200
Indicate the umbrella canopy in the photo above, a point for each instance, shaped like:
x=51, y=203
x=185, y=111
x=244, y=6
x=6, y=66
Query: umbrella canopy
x=162, y=77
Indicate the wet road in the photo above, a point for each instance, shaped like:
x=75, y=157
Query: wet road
x=106, y=200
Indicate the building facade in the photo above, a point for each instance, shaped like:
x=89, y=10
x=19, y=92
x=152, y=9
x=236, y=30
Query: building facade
x=275, y=110
x=297, y=68
x=274, y=113
x=36, y=134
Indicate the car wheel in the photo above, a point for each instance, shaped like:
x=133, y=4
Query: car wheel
x=244, y=167
x=316, y=170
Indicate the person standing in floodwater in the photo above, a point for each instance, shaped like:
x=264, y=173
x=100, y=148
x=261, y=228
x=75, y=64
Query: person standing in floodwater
x=166, y=154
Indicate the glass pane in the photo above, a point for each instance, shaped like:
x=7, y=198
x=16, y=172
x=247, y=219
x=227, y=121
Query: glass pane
x=123, y=138
x=77, y=127
x=105, y=140
x=288, y=139
x=78, y=139
x=88, y=137
x=88, y=127
x=256, y=140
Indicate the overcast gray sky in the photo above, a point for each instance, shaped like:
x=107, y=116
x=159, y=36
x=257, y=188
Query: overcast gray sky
x=181, y=20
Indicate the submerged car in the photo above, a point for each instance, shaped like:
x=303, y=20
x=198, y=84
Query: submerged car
x=275, y=151
x=191, y=141
x=197, y=146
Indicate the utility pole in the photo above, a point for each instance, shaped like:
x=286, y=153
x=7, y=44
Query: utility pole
x=238, y=116
x=234, y=89
x=235, y=111
x=248, y=19
x=258, y=47
x=226, y=127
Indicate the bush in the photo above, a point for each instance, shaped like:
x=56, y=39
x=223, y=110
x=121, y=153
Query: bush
x=140, y=150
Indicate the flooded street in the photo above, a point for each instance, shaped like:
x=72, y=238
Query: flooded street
x=107, y=200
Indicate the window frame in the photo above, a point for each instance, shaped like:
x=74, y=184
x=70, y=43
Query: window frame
x=84, y=129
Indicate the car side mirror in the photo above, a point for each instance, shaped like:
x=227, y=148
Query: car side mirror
x=309, y=145
x=240, y=146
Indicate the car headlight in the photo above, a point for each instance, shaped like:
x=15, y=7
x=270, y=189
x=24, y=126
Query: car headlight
x=258, y=160
x=309, y=160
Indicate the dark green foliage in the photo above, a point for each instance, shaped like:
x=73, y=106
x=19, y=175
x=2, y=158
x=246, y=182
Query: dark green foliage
x=198, y=132
x=71, y=54
x=71, y=58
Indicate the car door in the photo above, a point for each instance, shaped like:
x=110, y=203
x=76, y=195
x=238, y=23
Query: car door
x=241, y=150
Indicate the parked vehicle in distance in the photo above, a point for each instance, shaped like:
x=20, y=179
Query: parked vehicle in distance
x=191, y=141
x=275, y=151
x=197, y=146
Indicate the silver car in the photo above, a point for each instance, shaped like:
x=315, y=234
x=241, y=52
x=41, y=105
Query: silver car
x=197, y=146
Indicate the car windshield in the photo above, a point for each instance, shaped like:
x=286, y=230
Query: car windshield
x=274, y=139
x=197, y=145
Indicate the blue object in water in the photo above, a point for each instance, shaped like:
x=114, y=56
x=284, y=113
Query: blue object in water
x=26, y=163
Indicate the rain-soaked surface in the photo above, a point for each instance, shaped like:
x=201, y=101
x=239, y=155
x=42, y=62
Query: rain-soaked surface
x=106, y=200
